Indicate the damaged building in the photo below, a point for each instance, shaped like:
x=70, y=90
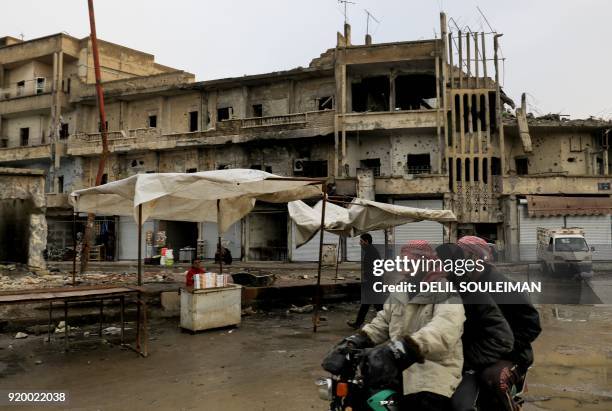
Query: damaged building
x=418, y=123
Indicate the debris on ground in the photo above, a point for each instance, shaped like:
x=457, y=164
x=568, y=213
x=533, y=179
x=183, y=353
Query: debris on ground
x=304, y=277
x=248, y=311
x=253, y=279
x=301, y=310
x=21, y=335
x=112, y=331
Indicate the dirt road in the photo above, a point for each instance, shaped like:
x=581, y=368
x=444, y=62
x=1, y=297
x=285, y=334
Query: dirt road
x=272, y=360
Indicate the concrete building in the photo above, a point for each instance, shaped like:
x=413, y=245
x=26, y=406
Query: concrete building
x=420, y=123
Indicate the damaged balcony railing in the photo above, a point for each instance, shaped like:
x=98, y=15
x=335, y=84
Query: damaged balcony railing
x=25, y=88
x=298, y=118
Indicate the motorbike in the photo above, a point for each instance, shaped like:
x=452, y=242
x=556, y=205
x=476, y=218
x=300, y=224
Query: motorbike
x=345, y=390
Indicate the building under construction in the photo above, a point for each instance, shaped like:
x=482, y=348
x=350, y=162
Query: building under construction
x=418, y=123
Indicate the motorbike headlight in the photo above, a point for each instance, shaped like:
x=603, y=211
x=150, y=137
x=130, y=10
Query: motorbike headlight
x=325, y=388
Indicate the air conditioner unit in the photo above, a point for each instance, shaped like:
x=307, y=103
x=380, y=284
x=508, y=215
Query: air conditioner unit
x=298, y=164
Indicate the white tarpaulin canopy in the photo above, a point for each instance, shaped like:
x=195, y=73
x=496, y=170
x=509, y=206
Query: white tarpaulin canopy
x=361, y=216
x=192, y=196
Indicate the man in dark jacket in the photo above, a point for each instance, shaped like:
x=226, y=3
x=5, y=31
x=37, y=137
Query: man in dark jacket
x=521, y=316
x=486, y=338
x=369, y=254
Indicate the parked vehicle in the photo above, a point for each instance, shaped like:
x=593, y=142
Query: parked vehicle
x=564, y=251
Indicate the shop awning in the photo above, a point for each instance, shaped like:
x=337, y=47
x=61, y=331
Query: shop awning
x=546, y=206
x=222, y=196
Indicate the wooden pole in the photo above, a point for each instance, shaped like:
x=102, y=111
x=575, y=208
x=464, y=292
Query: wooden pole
x=317, y=297
x=219, y=247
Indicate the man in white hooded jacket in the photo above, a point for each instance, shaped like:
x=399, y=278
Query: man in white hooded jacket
x=418, y=336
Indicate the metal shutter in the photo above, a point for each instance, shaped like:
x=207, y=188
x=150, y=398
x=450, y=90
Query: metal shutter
x=310, y=250
x=128, y=238
x=233, y=238
x=528, y=227
x=598, y=233
x=431, y=231
x=353, y=248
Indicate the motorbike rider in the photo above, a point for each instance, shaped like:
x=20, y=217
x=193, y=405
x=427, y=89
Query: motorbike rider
x=522, y=317
x=487, y=336
x=416, y=340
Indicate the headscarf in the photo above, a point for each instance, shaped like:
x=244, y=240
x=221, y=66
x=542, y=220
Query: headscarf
x=475, y=247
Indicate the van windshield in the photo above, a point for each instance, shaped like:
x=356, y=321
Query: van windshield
x=571, y=244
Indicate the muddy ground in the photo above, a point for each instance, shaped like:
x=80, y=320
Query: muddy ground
x=271, y=361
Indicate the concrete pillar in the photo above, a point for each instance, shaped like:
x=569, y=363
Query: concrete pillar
x=511, y=228
x=38, y=240
x=245, y=103
x=291, y=97
x=392, y=91
x=212, y=109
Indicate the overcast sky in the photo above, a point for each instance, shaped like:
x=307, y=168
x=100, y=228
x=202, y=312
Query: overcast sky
x=557, y=51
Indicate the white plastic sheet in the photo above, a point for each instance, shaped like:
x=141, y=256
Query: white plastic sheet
x=192, y=196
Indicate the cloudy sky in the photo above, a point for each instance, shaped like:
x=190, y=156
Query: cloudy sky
x=556, y=50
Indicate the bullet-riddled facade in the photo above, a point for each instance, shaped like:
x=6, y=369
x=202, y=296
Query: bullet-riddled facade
x=418, y=123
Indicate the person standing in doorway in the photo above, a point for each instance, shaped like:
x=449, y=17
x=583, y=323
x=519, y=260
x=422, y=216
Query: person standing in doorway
x=369, y=254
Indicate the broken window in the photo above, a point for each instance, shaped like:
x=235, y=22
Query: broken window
x=418, y=164
x=476, y=170
x=255, y=167
x=60, y=184
x=257, y=110
x=224, y=113
x=575, y=144
x=192, y=170
x=223, y=166
x=495, y=166
x=104, y=179
x=467, y=169
x=522, y=166
x=373, y=163
x=40, y=85
x=68, y=85
x=450, y=173
x=485, y=170
x=193, y=121
x=20, y=87
x=414, y=92
x=325, y=103
x=153, y=121
x=310, y=168
x=459, y=170
x=371, y=94
x=63, y=134
x=24, y=136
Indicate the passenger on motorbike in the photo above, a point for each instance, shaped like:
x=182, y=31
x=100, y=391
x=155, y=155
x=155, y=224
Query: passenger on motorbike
x=417, y=343
x=487, y=336
x=509, y=371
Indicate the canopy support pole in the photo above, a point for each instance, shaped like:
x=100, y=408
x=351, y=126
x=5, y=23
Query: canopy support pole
x=338, y=257
x=317, y=298
x=219, y=247
x=139, y=245
x=74, y=248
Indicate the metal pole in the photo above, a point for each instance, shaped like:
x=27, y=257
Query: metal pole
x=66, y=330
x=219, y=247
x=74, y=248
x=338, y=257
x=103, y=130
x=122, y=304
x=317, y=298
x=139, y=245
x=50, y=321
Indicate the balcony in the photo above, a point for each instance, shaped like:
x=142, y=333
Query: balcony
x=556, y=184
x=57, y=200
x=421, y=184
x=25, y=153
x=30, y=98
x=390, y=120
x=228, y=131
